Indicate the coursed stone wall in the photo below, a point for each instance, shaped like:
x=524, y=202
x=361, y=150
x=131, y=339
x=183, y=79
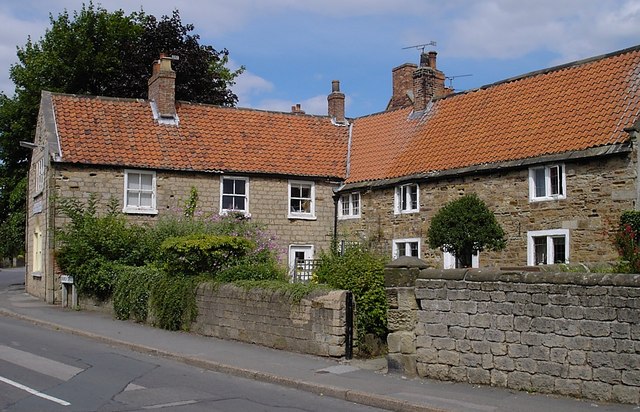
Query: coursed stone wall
x=574, y=334
x=268, y=204
x=316, y=325
x=598, y=190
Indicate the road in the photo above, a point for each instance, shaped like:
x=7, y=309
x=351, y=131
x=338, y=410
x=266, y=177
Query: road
x=44, y=370
x=11, y=277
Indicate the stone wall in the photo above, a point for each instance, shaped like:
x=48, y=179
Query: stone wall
x=268, y=204
x=598, y=190
x=575, y=334
x=316, y=325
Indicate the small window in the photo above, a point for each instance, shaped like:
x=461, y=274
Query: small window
x=547, y=247
x=451, y=262
x=406, y=247
x=349, y=206
x=302, y=200
x=139, y=192
x=234, y=195
x=406, y=199
x=40, y=175
x=547, y=183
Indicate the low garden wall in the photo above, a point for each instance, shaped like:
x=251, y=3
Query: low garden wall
x=314, y=325
x=575, y=334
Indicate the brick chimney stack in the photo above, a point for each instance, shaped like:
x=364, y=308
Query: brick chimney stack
x=297, y=109
x=162, y=87
x=402, y=93
x=336, y=103
x=428, y=82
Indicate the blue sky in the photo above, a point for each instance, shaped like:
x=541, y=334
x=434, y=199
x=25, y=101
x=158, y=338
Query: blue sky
x=293, y=49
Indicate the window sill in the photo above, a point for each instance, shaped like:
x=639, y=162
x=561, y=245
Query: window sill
x=406, y=212
x=226, y=212
x=301, y=217
x=132, y=211
x=348, y=217
x=546, y=199
x=37, y=274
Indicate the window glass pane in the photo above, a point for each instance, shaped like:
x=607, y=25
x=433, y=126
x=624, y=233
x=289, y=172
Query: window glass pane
x=414, y=196
x=402, y=249
x=132, y=198
x=296, y=205
x=295, y=191
x=240, y=187
x=305, y=192
x=414, y=248
x=345, y=205
x=403, y=198
x=540, y=250
x=355, y=203
x=559, y=255
x=133, y=181
x=227, y=186
x=539, y=178
x=305, y=206
x=146, y=182
x=227, y=202
x=554, y=175
x=239, y=203
x=145, y=199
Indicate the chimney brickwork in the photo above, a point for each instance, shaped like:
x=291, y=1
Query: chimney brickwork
x=402, y=93
x=162, y=87
x=335, y=102
x=417, y=85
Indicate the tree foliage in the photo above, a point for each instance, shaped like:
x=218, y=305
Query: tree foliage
x=96, y=52
x=465, y=226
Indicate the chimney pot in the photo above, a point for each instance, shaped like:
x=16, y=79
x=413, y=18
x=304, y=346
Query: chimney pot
x=432, y=59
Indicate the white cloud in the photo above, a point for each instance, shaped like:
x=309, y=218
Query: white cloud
x=249, y=85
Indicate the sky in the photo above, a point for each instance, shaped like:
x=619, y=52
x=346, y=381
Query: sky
x=293, y=49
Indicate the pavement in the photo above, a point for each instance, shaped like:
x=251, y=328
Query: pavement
x=363, y=382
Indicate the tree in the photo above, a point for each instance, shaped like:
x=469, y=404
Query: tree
x=104, y=53
x=465, y=226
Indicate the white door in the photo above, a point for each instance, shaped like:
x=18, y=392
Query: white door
x=297, y=254
x=450, y=261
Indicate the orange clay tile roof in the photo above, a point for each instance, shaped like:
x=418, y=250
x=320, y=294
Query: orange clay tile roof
x=122, y=132
x=568, y=108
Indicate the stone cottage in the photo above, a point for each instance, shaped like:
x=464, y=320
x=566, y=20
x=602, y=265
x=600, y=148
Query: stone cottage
x=553, y=154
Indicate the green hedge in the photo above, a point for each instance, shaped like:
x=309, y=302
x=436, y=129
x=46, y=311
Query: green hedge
x=202, y=253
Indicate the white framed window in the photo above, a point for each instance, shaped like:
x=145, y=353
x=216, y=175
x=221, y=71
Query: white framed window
x=547, y=183
x=299, y=256
x=349, y=206
x=546, y=247
x=406, y=199
x=302, y=203
x=406, y=247
x=40, y=175
x=140, y=192
x=234, y=194
x=38, y=251
x=451, y=262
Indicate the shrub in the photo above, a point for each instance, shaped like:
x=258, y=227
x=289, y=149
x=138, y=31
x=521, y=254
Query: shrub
x=253, y=271
x=173, y=301
x=202, y=254
x=361, y=272
x=465, y=226
x=627, y=241
x=92, y=244
x=132, y=290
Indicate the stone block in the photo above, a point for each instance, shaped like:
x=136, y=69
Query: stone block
x=458, y=373
x=526, y=365
x=519, y=381
x=463, y=346
x=444, y=343
x=457, y=319
x=476, y=333
x=522, y=323
x=599, y=360
x=481, y=320
x=456, y=332
x=621, y=331
x=597, y=390
x=582, y=372
x=626, y=345
x=398, y=320
x=532, y=339
x=470, y=359
x=406, y=299
x=403, y=364
x=594, y=328
x=436, y=330
x=449, y=357
x=512, y=337
x=464, y=307
x=498, y=378
x=517, y=351
x=551, y=368
x=401, y=342
x=625, y=394
x=568, y=387
x=430, y=316
x=542, y=325
x=607, y=375
x=575, y=357
x=542, y=383
x=427, y=355
x=436, y=371
x=504, y=363
x=631, y=378
x=479, y=376
x=494, y=335
x=566, y=327
x=498, y=348
x=480, y=347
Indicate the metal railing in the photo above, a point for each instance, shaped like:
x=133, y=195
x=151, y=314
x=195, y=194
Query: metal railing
x=303, y=270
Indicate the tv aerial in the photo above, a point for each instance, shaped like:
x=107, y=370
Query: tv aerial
x=451, y=78
x=421, y=47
